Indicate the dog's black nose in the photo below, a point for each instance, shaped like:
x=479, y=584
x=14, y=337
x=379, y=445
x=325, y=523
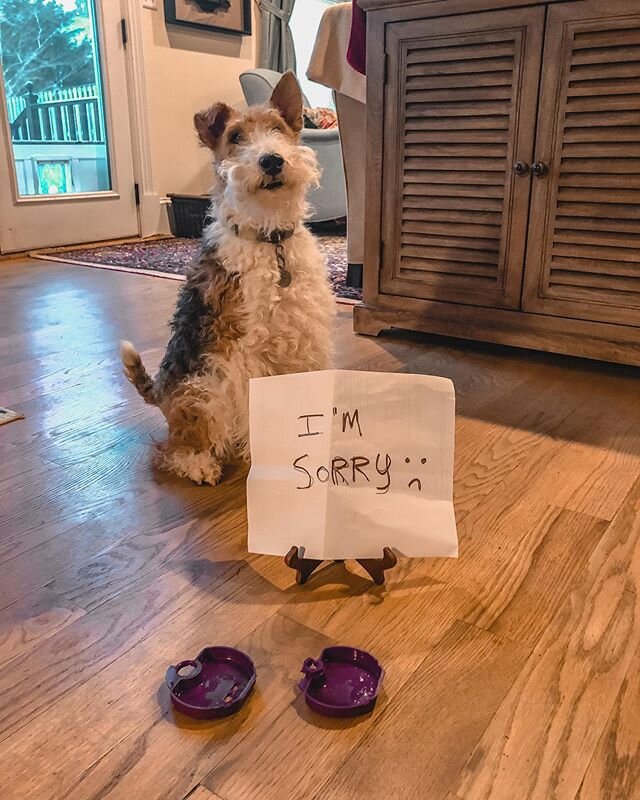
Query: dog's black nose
x=271, y=164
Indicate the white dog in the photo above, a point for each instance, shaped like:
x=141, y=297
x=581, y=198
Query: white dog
x=257, y=301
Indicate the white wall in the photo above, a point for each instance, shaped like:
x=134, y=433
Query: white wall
x=186, y=70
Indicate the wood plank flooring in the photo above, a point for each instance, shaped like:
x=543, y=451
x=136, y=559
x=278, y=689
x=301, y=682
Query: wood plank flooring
x=512, y=672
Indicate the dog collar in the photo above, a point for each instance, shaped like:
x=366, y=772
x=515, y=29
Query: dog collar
x=276, y=238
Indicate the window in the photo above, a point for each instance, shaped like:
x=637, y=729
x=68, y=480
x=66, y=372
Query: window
x=53, y=95
x=304, y=27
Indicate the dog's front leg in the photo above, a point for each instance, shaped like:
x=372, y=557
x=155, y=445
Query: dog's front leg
x=199, y=439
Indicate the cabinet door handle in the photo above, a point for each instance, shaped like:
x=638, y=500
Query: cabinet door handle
x=539, y=169
x=521, y=168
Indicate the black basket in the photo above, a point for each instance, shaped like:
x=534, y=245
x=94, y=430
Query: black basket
x=187, y=214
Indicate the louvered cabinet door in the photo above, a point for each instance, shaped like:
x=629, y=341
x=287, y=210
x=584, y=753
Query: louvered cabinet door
x=583, y=258
x=460, y=112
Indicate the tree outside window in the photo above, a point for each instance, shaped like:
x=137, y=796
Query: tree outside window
x=46, y=43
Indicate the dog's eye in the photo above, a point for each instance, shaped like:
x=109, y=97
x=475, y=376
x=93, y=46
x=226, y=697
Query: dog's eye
x=235, y=137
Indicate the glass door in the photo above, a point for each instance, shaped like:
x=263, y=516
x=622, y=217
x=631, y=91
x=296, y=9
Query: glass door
x=66, y=167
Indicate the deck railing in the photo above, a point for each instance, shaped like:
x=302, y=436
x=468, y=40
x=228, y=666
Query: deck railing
x=57, y=116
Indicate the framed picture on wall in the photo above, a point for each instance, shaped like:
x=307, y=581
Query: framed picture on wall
x=226, y=16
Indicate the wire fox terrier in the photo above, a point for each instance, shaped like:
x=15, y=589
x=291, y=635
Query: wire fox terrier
x=256, y=302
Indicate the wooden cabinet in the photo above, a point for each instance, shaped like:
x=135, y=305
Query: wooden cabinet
x=504, y=173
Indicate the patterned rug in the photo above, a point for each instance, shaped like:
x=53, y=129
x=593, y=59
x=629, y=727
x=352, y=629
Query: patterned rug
x=170, y=257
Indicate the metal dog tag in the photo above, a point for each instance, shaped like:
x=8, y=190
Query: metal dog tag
x=285, y=277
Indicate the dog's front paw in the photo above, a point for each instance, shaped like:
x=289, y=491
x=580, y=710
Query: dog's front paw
x=210, y=473
x=199, y=467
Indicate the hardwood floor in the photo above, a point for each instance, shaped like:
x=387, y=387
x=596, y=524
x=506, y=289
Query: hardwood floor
x=512, y=672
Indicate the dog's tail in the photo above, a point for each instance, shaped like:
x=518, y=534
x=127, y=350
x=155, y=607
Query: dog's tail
x=135, y=373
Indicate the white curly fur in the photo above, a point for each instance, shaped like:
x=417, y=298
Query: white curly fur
x=287, y=330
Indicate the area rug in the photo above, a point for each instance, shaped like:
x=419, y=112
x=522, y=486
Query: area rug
x=170, y=258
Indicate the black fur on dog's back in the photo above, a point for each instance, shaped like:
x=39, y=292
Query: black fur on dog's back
x=191, y=325
x=206, y=316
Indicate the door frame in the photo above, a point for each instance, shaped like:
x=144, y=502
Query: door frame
x=150, y=209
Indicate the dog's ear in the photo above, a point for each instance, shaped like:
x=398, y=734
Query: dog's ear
x=210, y=124
x=287, y=99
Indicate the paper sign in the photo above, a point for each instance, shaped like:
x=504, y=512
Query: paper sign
x=346, y=463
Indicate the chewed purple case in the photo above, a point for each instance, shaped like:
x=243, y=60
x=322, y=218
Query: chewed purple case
x=214, y=684
x=343, y=682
